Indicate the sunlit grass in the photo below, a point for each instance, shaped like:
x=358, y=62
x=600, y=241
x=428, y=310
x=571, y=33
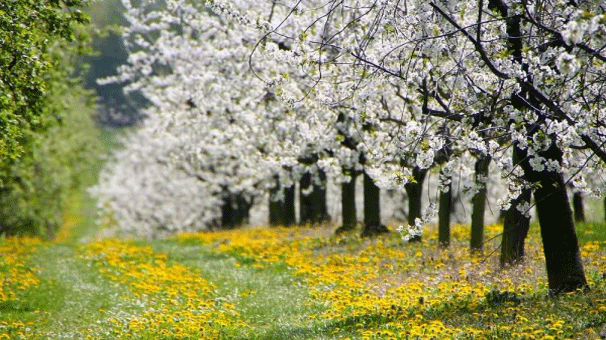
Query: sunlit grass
x=295, y=283
x=383, y=288
x=17, y=280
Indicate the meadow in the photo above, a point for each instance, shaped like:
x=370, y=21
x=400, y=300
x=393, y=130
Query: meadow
x=290, y=283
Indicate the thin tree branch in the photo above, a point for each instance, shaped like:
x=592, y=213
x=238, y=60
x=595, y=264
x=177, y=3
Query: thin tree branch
x=476, y=43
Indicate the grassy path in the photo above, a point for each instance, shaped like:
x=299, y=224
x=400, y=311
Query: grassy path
x=273, y=302
x=287, y=284
x=72, y=296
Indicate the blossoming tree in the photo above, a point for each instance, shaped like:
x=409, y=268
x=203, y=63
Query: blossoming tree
x=531, y=73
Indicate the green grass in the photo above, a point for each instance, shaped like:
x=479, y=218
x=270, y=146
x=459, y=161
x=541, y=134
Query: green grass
x=587, y=232
x=273, y=302
x=73, y=300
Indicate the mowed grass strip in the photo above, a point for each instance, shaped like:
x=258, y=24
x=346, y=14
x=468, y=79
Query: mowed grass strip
x=73, y=300
x=48, y=293
x=274, y=303
x=175, y=301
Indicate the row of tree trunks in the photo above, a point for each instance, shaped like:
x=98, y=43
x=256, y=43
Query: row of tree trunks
x=565, y=271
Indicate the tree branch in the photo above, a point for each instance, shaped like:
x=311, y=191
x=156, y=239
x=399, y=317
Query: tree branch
x=476, y=43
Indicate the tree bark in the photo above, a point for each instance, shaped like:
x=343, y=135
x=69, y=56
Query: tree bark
x=579, y=208
x=372, y=209
x=476, y=242
x=234, y=211
x=312, y=199
x=305, y=199
x=348, y=204
x=565, y=271
x=318, y=201
x=276, y=207
x=515, y=230
x=288, y=215
x=414, y=191
x=444, y=211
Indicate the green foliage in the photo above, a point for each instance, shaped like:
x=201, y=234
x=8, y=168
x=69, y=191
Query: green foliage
x=28, y=28
x=48, y=140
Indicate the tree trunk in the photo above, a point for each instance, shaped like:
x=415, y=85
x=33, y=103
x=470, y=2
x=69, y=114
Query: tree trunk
x=305, y=199
x=234, y=211
x=372, y=209
x=243, y=210
x=565, y=271
x=444, y=211
x=414, y=191
x=515, y=230
x=318, y=208
x=276, y=207
x=579, y=208
x=288, y=215
x=348, y=205
x=227, y=213
x=312, y=199
x=479, y=204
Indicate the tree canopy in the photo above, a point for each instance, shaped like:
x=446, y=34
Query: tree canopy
x=48, y=140
x=28, y=29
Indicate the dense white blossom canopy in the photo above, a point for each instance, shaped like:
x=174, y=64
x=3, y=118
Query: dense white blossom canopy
x=244, y=91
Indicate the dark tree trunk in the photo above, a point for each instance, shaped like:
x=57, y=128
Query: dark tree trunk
x=579, y=208
x=305, y=199
x=565, y=271
x=243, y=210
x=319, y=208
x=502, y=214
x=312, y=199
x=227, y=212
x=562, y=255
x=348, y=205
x=372, y=209
x=515, y=230
x=444, y=211
x=234, y=211
x=276, y=207
x=414, y=191
x=289, y=217
x=479, y=204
